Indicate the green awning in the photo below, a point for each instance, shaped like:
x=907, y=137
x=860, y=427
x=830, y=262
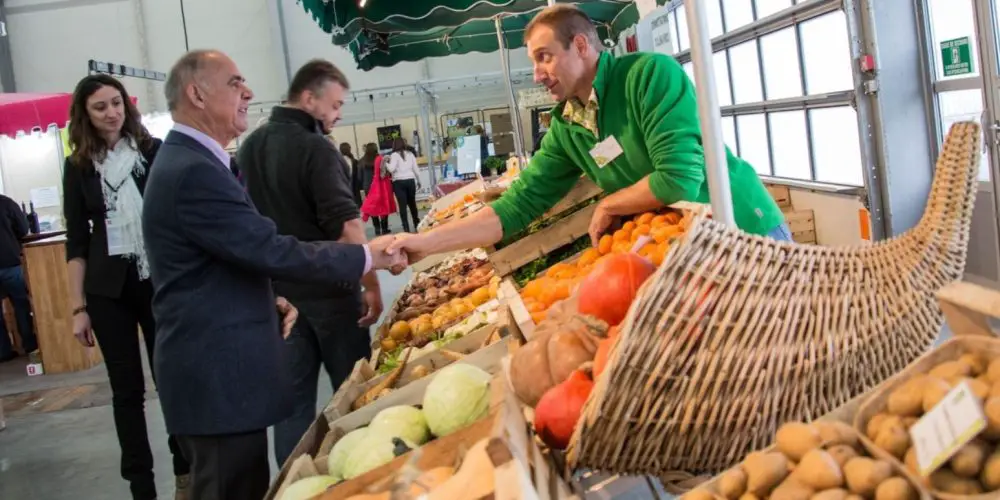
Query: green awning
x=386, y=32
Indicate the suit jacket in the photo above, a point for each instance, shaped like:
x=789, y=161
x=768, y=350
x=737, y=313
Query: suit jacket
x=218, y=355
x=86, y=229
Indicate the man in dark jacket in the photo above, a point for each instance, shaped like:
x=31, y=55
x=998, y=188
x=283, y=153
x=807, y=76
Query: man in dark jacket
x=297, y=177
x=13, y=227
x=219, y=359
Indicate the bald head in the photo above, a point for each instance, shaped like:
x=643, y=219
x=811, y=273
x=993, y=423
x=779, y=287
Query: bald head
x=206, y=90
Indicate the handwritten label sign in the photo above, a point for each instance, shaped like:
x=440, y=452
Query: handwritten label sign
x=947, y=428
x=35, y=369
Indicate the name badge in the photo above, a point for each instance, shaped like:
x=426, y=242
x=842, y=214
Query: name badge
x=118, y=241
x=606, y=151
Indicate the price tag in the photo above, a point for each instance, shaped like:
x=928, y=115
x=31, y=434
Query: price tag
x=948, y=427
x=119, y=242
x=35, y=369
x=606, y=151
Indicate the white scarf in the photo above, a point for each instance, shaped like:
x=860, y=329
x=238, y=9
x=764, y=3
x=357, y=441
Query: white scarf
x=122, y=197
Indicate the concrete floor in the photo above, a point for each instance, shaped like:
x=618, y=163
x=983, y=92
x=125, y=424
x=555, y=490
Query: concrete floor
x=73, y=454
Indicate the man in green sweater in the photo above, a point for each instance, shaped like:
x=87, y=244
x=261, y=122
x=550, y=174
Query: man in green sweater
x=629, y=123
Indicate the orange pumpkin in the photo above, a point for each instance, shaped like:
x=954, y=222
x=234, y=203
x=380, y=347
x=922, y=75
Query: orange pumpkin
x=609, y=290
x=603, y=351
x=559, y=409
x=554, y=354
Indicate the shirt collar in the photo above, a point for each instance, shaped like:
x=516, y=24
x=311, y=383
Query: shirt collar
x=211, y=144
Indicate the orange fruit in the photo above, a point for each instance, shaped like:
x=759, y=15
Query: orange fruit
x=659, y=220
x=621, y=247
x=622, y=235
x=657, y=258
x=588, y=257
x=535, y=287
x=604, y=245
x=538, y=317
x=644, y=218
x=662, y=234
x=648, y=250
x=641, y=230
x=673, y=218
x=534, y=307
x=662, y=248
x=628, y=227
x=562, y=274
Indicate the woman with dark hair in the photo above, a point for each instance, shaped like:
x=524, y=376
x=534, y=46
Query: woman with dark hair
x=376, y=210
x=405, y=181
x=110, y=292
x=378, y=199
x=354, y=175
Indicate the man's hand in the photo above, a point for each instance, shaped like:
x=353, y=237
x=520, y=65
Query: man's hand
x=384, y=256
x=415, y=246
x=599, y=223
x=289, y=314
x=371, y=307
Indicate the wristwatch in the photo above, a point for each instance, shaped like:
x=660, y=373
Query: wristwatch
x=78, y=310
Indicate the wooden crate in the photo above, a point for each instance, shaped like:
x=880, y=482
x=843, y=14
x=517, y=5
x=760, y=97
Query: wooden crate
x=534, y=246
x=781, y=194
x=584, y=189
x=802, y=225
x=364, y=376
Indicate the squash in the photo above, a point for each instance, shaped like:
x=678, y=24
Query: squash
x=553, y=355
x=603, y=351
x=559, y=409
x=609, y=290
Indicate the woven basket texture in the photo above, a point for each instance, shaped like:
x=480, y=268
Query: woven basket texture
x=736, y=334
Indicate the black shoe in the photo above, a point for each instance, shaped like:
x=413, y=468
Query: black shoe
x=9, y=357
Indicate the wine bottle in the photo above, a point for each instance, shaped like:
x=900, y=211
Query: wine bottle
x=33, y=219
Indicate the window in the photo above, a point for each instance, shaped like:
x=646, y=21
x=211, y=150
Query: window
x=683, y=39
x=737, y=13
x=768, y=7
x=828, y=55
x=752, y=139
x=713, y=12
x=952, y=19
x=963, y=105
x=836, y=148
x=790, y=145
x=746, y=73
x=729, y=133
x=722, y=78
x=780, y=54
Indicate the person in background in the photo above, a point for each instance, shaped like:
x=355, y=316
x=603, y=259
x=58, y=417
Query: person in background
x=355, y=174
x=13, y=227
x=378, y=186
x=220, y=358
x=484, y=151
x=110, y=291
x=402, y=166
x=296, y=178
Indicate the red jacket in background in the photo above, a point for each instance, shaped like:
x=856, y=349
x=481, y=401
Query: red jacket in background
x=380, y=200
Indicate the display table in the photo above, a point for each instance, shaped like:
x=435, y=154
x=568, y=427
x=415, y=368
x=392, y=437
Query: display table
x=47, y=277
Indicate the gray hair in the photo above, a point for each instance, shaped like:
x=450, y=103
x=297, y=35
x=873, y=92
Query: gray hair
x=183, y=71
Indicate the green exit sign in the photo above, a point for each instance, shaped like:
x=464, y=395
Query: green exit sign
x=956, y=56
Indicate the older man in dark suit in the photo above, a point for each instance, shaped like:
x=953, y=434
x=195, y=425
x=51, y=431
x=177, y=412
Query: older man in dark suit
x=222, y=381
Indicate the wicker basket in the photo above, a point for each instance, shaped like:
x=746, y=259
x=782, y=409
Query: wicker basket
x=735, y=334
x=967, y=308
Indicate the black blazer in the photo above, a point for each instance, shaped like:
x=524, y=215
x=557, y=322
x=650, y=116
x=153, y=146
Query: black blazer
x=86, y=232
x=218, y=356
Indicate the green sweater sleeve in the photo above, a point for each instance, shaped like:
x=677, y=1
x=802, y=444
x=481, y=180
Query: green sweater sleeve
x=669, y=124
x=541, y=185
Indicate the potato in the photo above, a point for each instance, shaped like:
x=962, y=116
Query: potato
x=911, y=461
x=834, y=433
x=993, y=370
x=819, y=471
x=855, y=497
x=994, y=389
x=977, y=364
x=950, y=369
x=893, y=439
x=791, y=490
x=990, y=476
x=934, y=391
x=841, y=453
x=749, y=496
x=834, y=494
x=968, y=461
x=946, y=481
x=871, y=430
x=795, y=439
x=895, y=488
x=992, y=410
x=733, y=484
x=764, y=471
x=979, y=388
x=864, y=474
x=906, y=401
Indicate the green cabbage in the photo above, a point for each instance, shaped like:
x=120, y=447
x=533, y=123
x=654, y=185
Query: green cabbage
x=458, y=396
x=370, y=453
x=307, y=488
x=404, y=422
x=340, y=450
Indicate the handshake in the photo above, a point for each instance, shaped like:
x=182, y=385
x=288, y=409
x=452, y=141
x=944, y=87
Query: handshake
x=396, y=252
